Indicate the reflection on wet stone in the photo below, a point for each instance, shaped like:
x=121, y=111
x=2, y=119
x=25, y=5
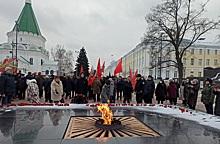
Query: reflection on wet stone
x=47, y=126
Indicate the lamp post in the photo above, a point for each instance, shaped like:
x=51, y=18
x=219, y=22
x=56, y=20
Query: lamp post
x=77, y=52
x=16, y=39
x=160, y=53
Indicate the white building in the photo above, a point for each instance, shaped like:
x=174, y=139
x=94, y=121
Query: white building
x=31, y=52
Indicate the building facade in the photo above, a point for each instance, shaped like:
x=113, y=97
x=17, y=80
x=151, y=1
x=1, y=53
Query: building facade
x=27, y=39
x=147, y=60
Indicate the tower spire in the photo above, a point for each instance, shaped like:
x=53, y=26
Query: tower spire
x=28, y=1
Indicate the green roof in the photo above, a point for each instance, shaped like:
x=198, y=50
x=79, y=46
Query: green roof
x=27, y=21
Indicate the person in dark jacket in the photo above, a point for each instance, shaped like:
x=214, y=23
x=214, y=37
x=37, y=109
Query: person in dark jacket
x=82, y=85
x=186, y=84
x=208, y=96
x=161, y=92
x=47, y=88
x=216, y=91
x=177, y=86
x=139, y=87
x=69, y=86
x=119, y=88
x=74, y=79
x=193, y=94
x=21, y=87
x=149, y=90
x=29, y=76
x=7, y=86
x=172, y=92
x=127, y=90
x=40, y=80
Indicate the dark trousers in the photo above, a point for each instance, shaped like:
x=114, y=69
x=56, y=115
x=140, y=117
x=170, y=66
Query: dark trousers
x=94, y=97
x=112, y=99
x=139, y=98
x=126, y=98
x=40, y=93
x=148, y=98
x=68, y=94
x=192, y=107
x=73, y=93
x=119, y=95
x=209, y=108
x=173, y=101
x=6, y=100
x=48, y=97
x=21, y=94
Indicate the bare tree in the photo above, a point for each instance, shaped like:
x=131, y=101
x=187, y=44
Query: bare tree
x=63, y=57
x=175, y=20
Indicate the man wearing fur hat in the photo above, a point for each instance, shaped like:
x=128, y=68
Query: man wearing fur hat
x=7, y=86
x=208, y=96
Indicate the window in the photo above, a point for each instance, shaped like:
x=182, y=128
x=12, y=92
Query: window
x=175, y=74
x=150, y=72
x=200, y=62
x=208, y=62
x=191, y=73
x=192, y=61
x=192, y=51
x=208, y=51
x=184, y=61
x=20, y=39
x=31, y=61
x=216, y=52
x=167, y=74
x=200, y=51
x=199, y=74
x=184, y=52
x=184, y=74
x=215, y=62
x=158, y=73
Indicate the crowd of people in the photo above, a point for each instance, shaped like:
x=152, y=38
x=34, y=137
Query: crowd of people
x=56, y=89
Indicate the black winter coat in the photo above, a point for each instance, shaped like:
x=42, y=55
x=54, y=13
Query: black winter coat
x=120, y=85
x=139, y=87
x=127, y=88
x=217, y=103
x=69, y=84
x=149, y=87
x=22, y=84
x=7, y=84
x=74, y=83
x=47, y=84
x=161, y=91
x=81, y=86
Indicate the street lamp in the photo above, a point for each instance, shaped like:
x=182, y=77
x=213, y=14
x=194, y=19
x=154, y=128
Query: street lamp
x=16, y=38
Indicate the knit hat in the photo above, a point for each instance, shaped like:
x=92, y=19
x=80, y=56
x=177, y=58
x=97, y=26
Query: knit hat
x=138, y=75
x=210, y=80
x=57, y=77
x=39, y=73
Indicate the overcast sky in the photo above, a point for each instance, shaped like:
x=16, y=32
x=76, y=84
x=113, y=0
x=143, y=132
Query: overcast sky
x=103, y=27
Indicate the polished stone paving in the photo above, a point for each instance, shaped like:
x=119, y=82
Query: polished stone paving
x=48, y=127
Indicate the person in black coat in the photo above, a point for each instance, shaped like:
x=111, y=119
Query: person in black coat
x=82, y=85
x=139, y=87
x=216, y=91
x=119, y=88
x=47, y=88
x=127, y=90
x=74, y=79
x=161, y=92
x=21, y=84
x=149, y=90
x=69, y=86
x=7, y=86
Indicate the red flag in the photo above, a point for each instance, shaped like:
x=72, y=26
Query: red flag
x=133, y=80
x=91, y=78
x=118, y=68
x=103, y=67
x=81, y=69
x=130, y=71
x=98, y=70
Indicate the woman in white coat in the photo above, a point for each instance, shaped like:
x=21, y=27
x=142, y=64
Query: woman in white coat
x=56, y=89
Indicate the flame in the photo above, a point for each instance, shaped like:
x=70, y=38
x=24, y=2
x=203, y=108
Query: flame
x=107, y=114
